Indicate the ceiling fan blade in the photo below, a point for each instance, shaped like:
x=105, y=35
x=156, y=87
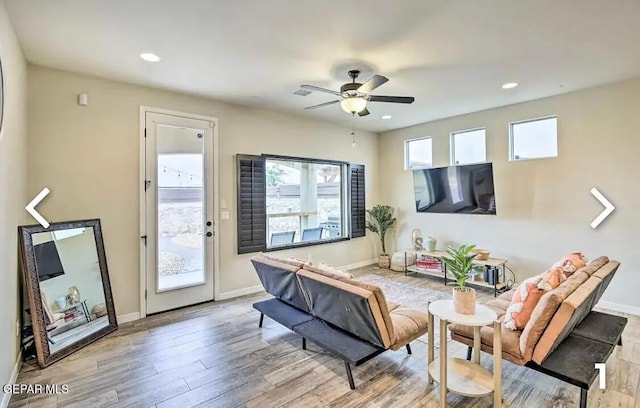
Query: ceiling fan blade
x=321, y=105
x=392, y=99
x=373, y=82
x=318, y=89
x=363, y=112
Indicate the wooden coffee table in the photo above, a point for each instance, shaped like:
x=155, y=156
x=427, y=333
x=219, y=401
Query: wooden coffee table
x=458, y=375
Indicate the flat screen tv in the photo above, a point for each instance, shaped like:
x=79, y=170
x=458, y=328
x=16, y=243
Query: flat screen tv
x=455, y=189
x=48, y=261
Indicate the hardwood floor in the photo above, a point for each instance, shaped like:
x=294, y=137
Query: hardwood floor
x=214, y=355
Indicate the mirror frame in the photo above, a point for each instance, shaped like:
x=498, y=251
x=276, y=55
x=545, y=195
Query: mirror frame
x=32, y=282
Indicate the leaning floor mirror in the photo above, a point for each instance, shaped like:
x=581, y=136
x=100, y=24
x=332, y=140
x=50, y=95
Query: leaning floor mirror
x=67, y=285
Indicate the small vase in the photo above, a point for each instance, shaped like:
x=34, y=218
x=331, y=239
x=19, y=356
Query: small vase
x=384, y=261
x=464, y=301
x=431, y=244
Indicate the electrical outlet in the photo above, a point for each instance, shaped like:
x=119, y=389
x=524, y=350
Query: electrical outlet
x=18, y=328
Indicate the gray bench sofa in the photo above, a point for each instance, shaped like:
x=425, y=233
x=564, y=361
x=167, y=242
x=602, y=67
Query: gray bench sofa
x=349, y=318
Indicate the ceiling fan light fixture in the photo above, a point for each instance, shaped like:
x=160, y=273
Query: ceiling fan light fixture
x=353, y=105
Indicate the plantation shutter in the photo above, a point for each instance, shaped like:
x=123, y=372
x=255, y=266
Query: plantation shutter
x=358, y=220
x=252, y=211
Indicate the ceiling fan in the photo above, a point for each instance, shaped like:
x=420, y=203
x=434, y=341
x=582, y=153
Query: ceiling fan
x=354, y=95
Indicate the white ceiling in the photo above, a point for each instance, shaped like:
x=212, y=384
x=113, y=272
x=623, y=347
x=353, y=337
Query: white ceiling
x=453, y=56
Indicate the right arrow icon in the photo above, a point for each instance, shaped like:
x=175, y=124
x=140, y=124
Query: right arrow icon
x=608, y=208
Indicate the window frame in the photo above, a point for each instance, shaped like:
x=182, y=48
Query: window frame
x=407, y=167
x=519, y=122
x=452, y=152
x=345, y=210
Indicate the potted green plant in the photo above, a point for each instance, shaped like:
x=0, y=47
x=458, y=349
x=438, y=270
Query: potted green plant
x=459, y=262
x=380, y=221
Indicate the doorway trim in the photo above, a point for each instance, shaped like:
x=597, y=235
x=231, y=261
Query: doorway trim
x=142, y=201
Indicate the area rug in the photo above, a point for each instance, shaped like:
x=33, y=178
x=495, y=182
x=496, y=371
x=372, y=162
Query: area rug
x=411, y=296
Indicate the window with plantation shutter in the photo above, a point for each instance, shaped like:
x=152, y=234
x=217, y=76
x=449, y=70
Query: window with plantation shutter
x=358, y=220
x=252, y=213
x=287, y=202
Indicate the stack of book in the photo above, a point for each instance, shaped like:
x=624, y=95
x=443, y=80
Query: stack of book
x=428, y=263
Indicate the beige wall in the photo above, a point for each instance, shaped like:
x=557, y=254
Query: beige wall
x=89, y=158
x=13, y=198
x=544, y=206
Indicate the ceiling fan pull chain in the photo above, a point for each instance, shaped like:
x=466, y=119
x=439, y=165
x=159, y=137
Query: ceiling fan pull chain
x=353, y=130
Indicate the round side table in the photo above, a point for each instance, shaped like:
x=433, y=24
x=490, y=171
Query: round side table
x=458, y=375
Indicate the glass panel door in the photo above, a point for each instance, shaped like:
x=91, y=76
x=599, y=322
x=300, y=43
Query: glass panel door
x=179, y=211
x=181, y=207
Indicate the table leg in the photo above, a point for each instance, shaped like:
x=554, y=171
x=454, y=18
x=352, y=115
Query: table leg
x=85, y=310
x=430, y=346
x=476, y=344
x=443, y=363
x=405, y=263
x=497, y=364
x=444, y=267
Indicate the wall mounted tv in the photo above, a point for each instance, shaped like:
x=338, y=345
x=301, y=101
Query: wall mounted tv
x=48, y=261
x=455, y=189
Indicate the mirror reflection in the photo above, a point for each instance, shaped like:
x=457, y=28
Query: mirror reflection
x=73, y=297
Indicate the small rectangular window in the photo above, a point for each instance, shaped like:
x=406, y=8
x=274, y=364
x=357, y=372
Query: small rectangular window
x=418, y=153
x=468, y=147
x=534, y=139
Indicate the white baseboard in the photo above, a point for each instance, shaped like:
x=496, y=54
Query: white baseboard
x=240, y=292
x=4, y=402
x=618, y=307
x=130, y=317
x=359, y=264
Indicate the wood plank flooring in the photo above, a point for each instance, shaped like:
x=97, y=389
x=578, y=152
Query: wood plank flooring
x=214, y=355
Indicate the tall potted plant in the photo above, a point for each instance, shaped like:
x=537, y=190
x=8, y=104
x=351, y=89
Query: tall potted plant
x=459, y=263
x=380, y=221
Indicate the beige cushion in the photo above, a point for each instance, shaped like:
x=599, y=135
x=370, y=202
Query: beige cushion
x=277, y=262
x=544, y=311
x=297, y=263
x=606, y=270
x=594, y=265
x=488, y=348
x=392, y=305
x=408, y=325
x=510, y=338
x=572, y=309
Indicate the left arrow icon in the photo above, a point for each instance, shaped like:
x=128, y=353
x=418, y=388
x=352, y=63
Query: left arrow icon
x=31, y=207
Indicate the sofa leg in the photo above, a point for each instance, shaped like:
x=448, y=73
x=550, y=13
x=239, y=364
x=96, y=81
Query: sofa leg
x=304, y=343
x=469, y=351
x=349, y=375
x=583, y=398
x=620, y=341
x=261, y=319
x=408, y=349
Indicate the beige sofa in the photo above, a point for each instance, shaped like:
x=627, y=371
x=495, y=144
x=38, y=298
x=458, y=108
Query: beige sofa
x=553, y=319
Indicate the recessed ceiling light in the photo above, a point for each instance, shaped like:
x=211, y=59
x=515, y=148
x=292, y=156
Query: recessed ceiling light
x=385, y=117
x=509, y=85
x=149, y=56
